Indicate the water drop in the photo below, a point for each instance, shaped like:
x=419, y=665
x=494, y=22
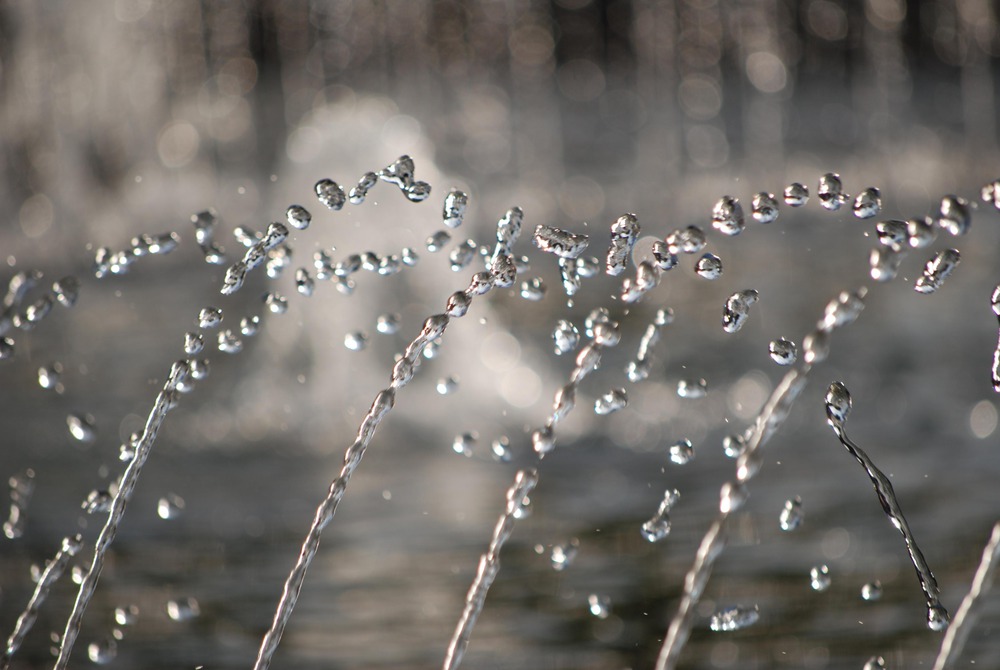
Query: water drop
x=462, y=255
x=183, y=609
x=463, y=444
x=596, y=316
x=990, y=194
x=418, y=191
x=330, y=194
x=819, y=578
x=688, y=240
x=102, y=653
x=304, y=284
x=587, y=361
x=455, y=204
x=126, y=616
x=559, y=242
x=871, y=591
x=733, y=445
x=588, y=267
x=681, y=452
x=647, y=276
x=656, y=529
x=868, y=203
x=637, y=371
x=446, y=385
x=737, y=310
x=543, y=441
x=796, y=194
x=389, y=265
x=842, y=310
x=170, y=507
x=250, y=325
x=565, y=336
x=765, y=207
x=97, y=502
x=884, y=264
x=298, y=217
x=229, y=342
x=692, y=388
x=606, y=333
x=875, y=663
x=734, y=618
x=665, y=259
x=816, y=346
x=831, y=192
x=791, y=516
x=727, y=216
x=81, y=427
x=480, y=284
x=275, y=303
x=563, y=555
x=49, y=375
x=838, y=404
x=937, y=617
x=709, y=266
x=387, y=324
x=937, y=269
x=624, y=233
x=921, y=232
x=783, y=352
x=6, y=348
x=892, y=233
x=611, y=402
x=599, y=605
x=501, y=450
x=533, y=289
x=66, y=291
x=355, y=341
x=955, y=215
x=504, y=272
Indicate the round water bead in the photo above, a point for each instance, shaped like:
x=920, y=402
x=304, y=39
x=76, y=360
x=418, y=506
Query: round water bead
x=183, y=609
x=733, y=445
x=831, y=192
x=275, y=303
x=838, y=404
x=791, y=516
x=688, y=240
x=783, y=352
x=387, y=324
x=599, y=605
x=868, y=203
x=463, y=444
x=533, y=289
x=681, y=452
x=126, y=616
x=229, y=342
x=709, y=266
x=819, y=578
x=871, y=591
x=81, y=427
x=692, y=388
x=501, y=449
x=765, y=207
x=170, y=507
x=103, y=652
x=436, y=241
x=298, y=217
x=727, y=216
x=796, y=194
x=249, y=325
x=734, y=618
x=446, y=385
x=49, y=375
x=356, y=341
x=563, y=554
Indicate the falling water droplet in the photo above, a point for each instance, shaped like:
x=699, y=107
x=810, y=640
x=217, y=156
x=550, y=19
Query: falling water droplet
x=355, y=341
x=298, y=217
x=611, y=402
x=462, y=255
x=387, y=324
x=49, y=375
x=102, y=653
x=600, y=605
x=126, y=616
x=501, y=449
x=66, y=291
x=737, y=310
x=250, y=325
x=463, y=444
x=765, y=207
x=565, y=336
x=658, y=527
x=304, y=284
x=709, y=266
x=791, y=516
x=170, y=507
x=796, y=194
x=871, y=591
x=842, y=310
x=819, y=578
x=937, y=269
x=624, y=233
x=681, y=452
x=276, y=303
x=838, y=404
x=559, y=242
x=921, y=232
x=229, y=342
x=692, y=388
x=734, y=618
x=892, y=233
x=884, y=264
x=563, y=555
x=733, y=445
x=783, y=352
x=81, y=427
x=875, y=663
x=688, y=240
x=816, y=346
x=455, y=204
x=330, y=194
x=543, y=440
x=955, y=215
x=831, y=192
x=446, y=385
x=868, y=203
x=183, y=609
x=533, y=289
x=97, y=502
x=727, y=216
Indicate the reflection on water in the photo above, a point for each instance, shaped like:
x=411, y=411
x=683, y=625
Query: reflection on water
x=711, y=175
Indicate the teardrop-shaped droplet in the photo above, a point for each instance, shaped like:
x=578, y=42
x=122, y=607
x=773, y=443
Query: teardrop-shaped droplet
x=838, y=404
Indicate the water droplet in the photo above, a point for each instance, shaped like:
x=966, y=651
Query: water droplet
x=126, y=616
x=819, y=578
x=102, y=653
x=681, y=452
x=734, y=618
x=596, y=316
x=276, y=303
x=727, y=216
x=543, y=441
x=81, y=427
x=563, y=555
x=229, y=342
x=956, y=215
x=387, y=324
x=816, y=346
x=600, y=605
x=831, y=192
x=462, y=255
x=737, y=310
x=647, y=276
x=637, y=371
x=304, y=284
x=588, y=267
x=501, y=449
x=937, y=269
x=624, y=233
x=709, y=266
x=892, y=233
x=446, y=385
x=418, y=191
x=6, y=348
x=875, y=663
x=765, y=207
x=565, y=336
x=559, y=242
x=921, y=232
x=355, y=341
x=250, y=325
x=611, y=402
x=587, y=361
x=464, y=443
x=838, y=404
x=455, y=204
x=49, y=375
x=884, y=264
x=183, y=609
x=298, y=217
x=664, y=258
x=871, y=591
x=126, y=452
x=66, y=291
x=606, y=333
x=796, y=194
x=791, y=516
x=733, y=445
x=533, y=289
x=990, y=194
x=868, y=203
x=97, y=502
x=504, y=272
x=783, y=352
x=688, y=240
x=170, y=507
x=937, y=617
x=842, y=310
x=330, y=194
x=692, y=388
x=658, y=527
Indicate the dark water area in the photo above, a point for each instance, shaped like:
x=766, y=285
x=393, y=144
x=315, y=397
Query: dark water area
x=126, y=118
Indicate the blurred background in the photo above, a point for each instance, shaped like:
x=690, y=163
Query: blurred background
x=125, y=117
